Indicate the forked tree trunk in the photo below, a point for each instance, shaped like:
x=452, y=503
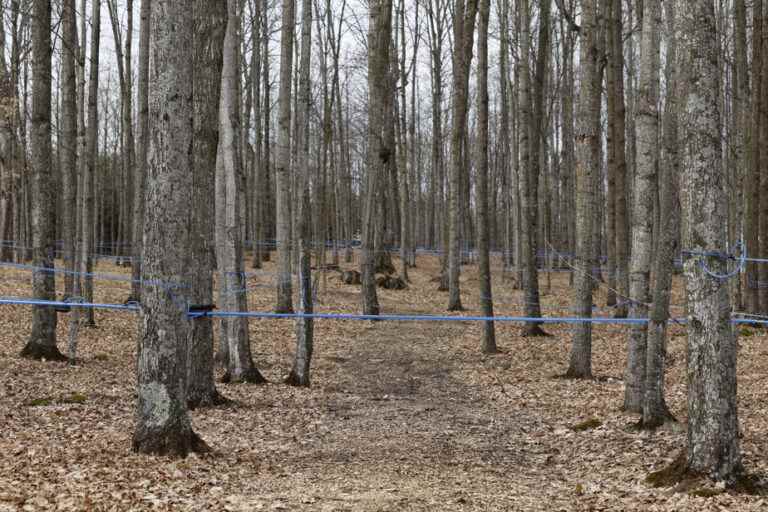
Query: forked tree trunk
x=713, y=426
x=42, y=340
x=163, y=426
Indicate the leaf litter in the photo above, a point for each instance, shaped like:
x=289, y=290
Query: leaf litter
x=401, y=416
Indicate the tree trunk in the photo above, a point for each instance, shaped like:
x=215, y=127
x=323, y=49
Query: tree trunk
x=463, y=36
x=713, y=428
x=91, y=136
x=647, y=122
x=532, y=112
x=68, y=141
x=299, y=375
x=233, y=295
x=484, y=267
x=258, y=207
x=378, y=151
x=140, y=178
x=284, y=273
x=163, y=426
x=587, y=135
x=741, y=138
x=655, y=411
x=210, y=22
x=42, y=340
x=752, y=181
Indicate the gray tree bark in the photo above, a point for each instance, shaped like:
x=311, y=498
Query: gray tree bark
x=229, y=250
x=713, y=427
x=586, y=135
x=68, y=140
x=463, y=37
x=532, y=112
x=647, y=122
x=299, y=375
x=142, y=149
x=42, y=340
x=163, y=426
x=283, y=162
x=752, y=180
x=655, y=411
x=210, y=22
x=89, y=176
x=379, y=152
x=483, y=231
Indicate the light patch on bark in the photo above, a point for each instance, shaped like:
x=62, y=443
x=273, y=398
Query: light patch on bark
x=157, y=404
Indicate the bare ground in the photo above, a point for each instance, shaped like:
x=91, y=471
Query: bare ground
x=401, y=416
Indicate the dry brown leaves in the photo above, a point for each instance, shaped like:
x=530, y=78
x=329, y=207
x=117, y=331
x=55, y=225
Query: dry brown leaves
x=401, y=416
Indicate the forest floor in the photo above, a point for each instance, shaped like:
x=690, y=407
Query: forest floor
x=400, y=416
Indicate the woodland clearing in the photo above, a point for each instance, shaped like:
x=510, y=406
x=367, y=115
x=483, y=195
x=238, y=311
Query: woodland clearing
x=400, y=415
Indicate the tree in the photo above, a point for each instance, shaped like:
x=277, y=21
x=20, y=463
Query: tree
x=68, y=140
x=587, y=135
x=299, y=375
x=210, y=25
x=713, y=427
x=379, y=151
x=125, y=77
x=752, y=178
x=647, y=122
x=655, y=411
x=229, y=251
x=283, y=172
x=163, y=426
x=42, y=340
x=89, y=170
x=531, y=110
x=463, y=36
x=486, y=293
x=618, y=244
x=141, y=150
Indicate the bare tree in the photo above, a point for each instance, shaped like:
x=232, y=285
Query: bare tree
x=713, y=426
x=587, y=135
x=463, y=37
x=647, y=122
x=299, y=375
x=655, y=411
x=229, y=251
x=163, y=426
x=379, y=152
x=89, y=170
x=42, y=340
x=283, y=162
x=486, y=293
x=210, y=24
x=68, y=140
x=752, y=178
